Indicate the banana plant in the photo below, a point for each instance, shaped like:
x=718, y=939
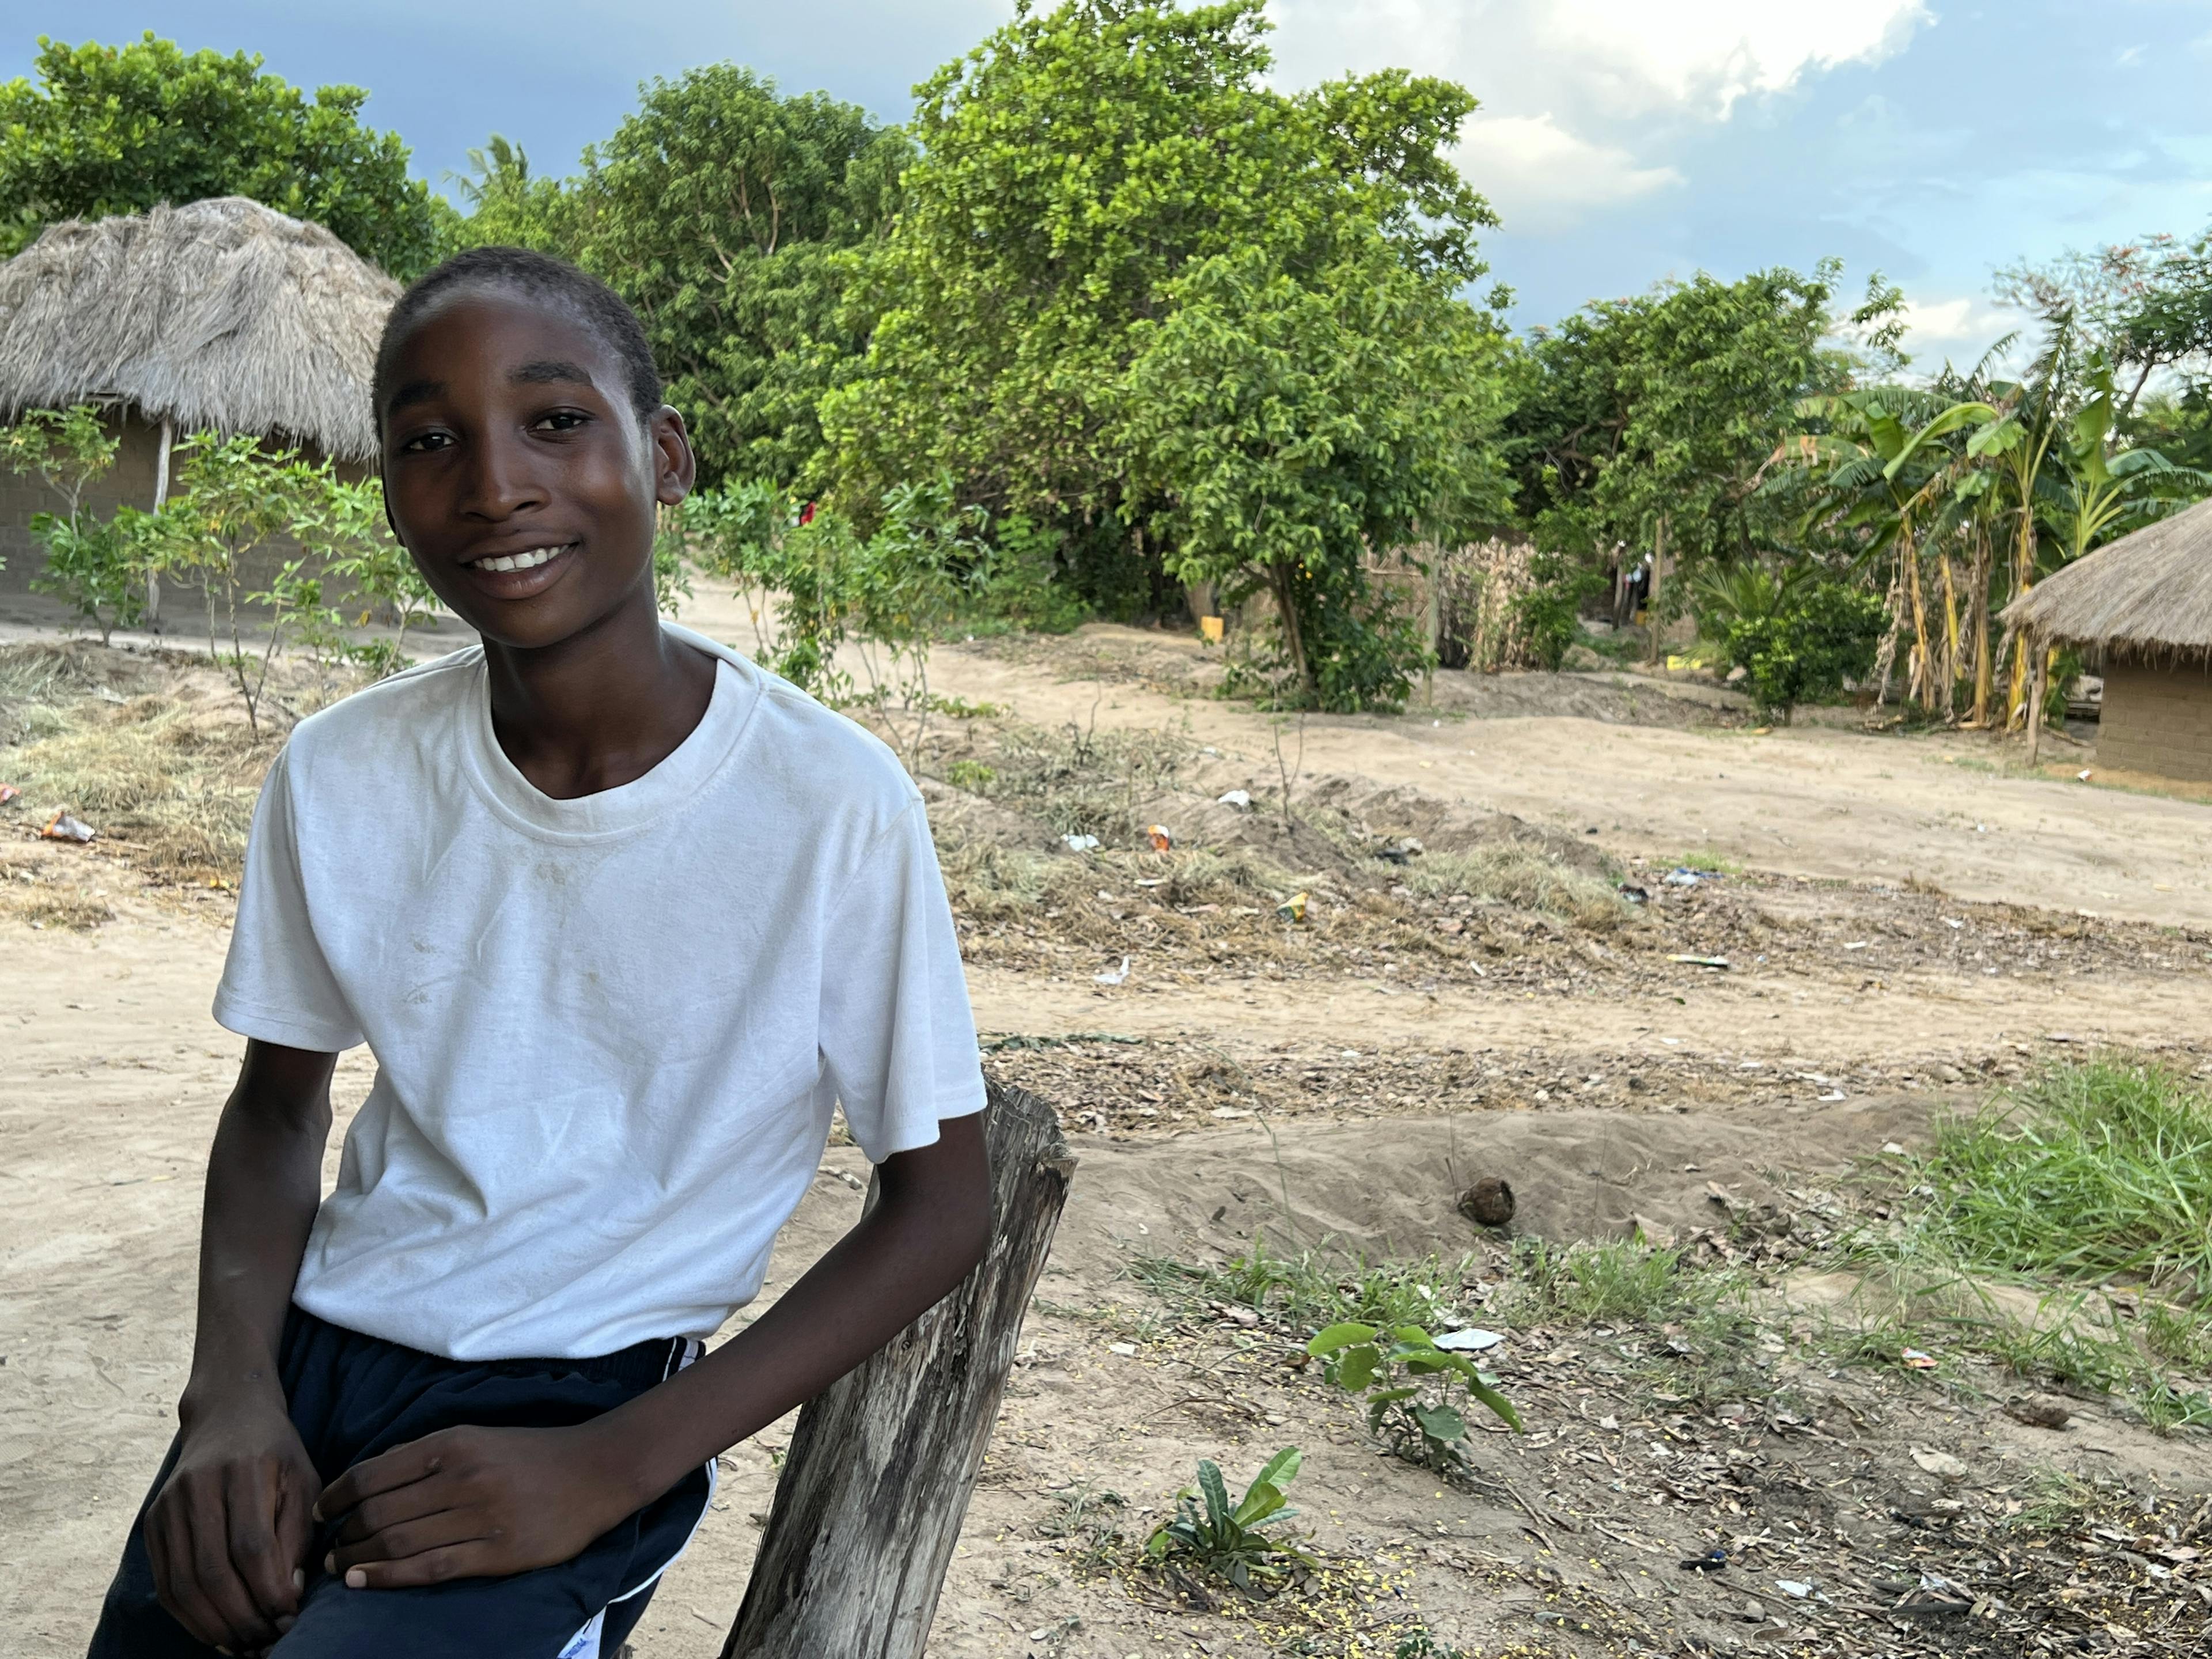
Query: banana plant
x=2015, y=431
x=2105, y=493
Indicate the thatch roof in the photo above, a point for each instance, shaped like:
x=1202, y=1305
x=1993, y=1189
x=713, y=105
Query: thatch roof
x=2147, y=595
x=221, y=314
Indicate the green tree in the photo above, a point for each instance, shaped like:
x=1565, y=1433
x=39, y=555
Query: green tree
x=234, y=501
x=1289, y=426
x=1072, y=169
x=108, y=130
x=718, y=209
x=1652, y=419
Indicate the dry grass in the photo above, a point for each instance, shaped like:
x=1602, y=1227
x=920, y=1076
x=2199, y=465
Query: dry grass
x=168, y=777
x=42, y=906
x=1340, y=882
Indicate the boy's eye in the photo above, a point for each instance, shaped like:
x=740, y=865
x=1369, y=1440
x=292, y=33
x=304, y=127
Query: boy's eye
x=561, y=420
x=423, y=442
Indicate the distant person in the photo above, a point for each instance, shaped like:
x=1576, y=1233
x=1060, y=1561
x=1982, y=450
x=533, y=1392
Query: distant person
x=620, y=917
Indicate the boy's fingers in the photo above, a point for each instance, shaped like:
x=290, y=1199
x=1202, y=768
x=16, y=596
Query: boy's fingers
x=402, y=1465
x=175, y=1587
x=296, y=1527
x=391, y=1509
x=251, y=1496
x=210, y=1569
x=409, y=1539
x=433, y=1566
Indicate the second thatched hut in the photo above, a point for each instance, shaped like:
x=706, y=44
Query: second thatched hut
x=2140, y=608
x=221, y=313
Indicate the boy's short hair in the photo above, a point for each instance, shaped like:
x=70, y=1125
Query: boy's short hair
x=535, y=276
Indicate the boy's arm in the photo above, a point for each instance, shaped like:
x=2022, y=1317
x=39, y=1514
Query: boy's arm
x=470, y=1502
x=229, y=1531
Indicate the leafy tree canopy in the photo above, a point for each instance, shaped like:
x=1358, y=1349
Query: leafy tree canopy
x=108, y=130
x=717, y=210
x=1074, y=166
x=1669, y=406
x=1136, y=292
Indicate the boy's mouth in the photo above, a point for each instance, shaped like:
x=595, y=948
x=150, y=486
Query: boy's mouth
x=520, y=573
x=528, y=559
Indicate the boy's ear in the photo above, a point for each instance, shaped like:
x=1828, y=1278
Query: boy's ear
x=675, y=467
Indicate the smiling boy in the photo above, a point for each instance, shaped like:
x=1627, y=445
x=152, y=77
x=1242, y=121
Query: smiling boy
x=620, y=917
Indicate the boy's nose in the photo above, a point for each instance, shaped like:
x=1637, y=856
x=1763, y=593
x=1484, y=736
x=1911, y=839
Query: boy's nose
x=499, y=482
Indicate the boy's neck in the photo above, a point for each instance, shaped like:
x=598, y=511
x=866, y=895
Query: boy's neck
x=600, y=708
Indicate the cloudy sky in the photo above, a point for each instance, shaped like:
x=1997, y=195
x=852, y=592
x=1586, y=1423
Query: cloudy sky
x=1621, y=140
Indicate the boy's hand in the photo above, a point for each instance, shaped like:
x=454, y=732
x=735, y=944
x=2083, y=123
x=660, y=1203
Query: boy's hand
x=473, y=1503
x=228, y=1532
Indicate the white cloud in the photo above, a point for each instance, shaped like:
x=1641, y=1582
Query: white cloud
x=1540, y=176
x=1582, y=99
x=1704, y=56
x=1624, y=56
x=1960, y=330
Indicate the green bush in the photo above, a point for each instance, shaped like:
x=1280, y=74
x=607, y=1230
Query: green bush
x=1550, y=613
x=1798, y=639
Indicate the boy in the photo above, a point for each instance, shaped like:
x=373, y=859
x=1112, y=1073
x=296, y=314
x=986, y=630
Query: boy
x=621, y=916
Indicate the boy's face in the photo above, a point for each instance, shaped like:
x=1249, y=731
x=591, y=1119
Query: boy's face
x=517, y=473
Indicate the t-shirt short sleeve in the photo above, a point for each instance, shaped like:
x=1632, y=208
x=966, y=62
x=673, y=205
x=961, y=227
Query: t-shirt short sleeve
x=277, y=984
x=897, y=1033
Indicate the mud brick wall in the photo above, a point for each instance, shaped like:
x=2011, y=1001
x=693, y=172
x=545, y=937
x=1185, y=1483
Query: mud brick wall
x=2157, y=720
x=130, y=480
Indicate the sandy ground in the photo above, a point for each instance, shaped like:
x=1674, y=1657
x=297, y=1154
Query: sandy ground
x=115, y=1074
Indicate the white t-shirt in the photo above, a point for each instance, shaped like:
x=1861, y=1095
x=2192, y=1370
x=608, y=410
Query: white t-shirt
x=609, y=1031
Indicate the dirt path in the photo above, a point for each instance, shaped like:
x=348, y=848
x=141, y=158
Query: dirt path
x=1602, y=1093
x=1811, y=801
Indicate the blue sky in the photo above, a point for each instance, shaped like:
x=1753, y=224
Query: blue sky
x=1622, y=141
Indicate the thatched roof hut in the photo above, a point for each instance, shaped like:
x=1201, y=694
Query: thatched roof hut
x=221, y=314
x=2141, y=608
x=2146, y=596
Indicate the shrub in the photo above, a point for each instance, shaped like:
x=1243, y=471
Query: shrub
x=1797, y=639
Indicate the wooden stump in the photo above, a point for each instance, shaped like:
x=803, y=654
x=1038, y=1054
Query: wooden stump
x=883, y=1462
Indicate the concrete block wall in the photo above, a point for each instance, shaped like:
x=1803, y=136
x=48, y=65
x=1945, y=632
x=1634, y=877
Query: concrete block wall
x=2157, y=719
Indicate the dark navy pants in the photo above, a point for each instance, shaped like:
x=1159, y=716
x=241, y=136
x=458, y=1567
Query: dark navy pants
x=353, y=1396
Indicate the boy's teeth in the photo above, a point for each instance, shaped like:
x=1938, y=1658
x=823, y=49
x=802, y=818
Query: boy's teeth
x=529, y=561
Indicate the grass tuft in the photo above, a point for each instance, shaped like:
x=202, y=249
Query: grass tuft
x=2090, y=1172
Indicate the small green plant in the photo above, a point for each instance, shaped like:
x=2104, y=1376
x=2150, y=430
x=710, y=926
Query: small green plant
x=1423, y=1645
x=350, y=532
x=67, y=448
x=1233, y=1542
x=1406, y=1380
x=98, y=566
x=823, y=595
x=1550, y=611
x=232, y=499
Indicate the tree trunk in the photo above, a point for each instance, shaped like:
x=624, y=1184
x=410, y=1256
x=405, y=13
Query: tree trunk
x=882, y=1464
x=1979, y=596
x=1294, y=640
x=160, y=500
x=2039, y=678
x=1658, y=580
